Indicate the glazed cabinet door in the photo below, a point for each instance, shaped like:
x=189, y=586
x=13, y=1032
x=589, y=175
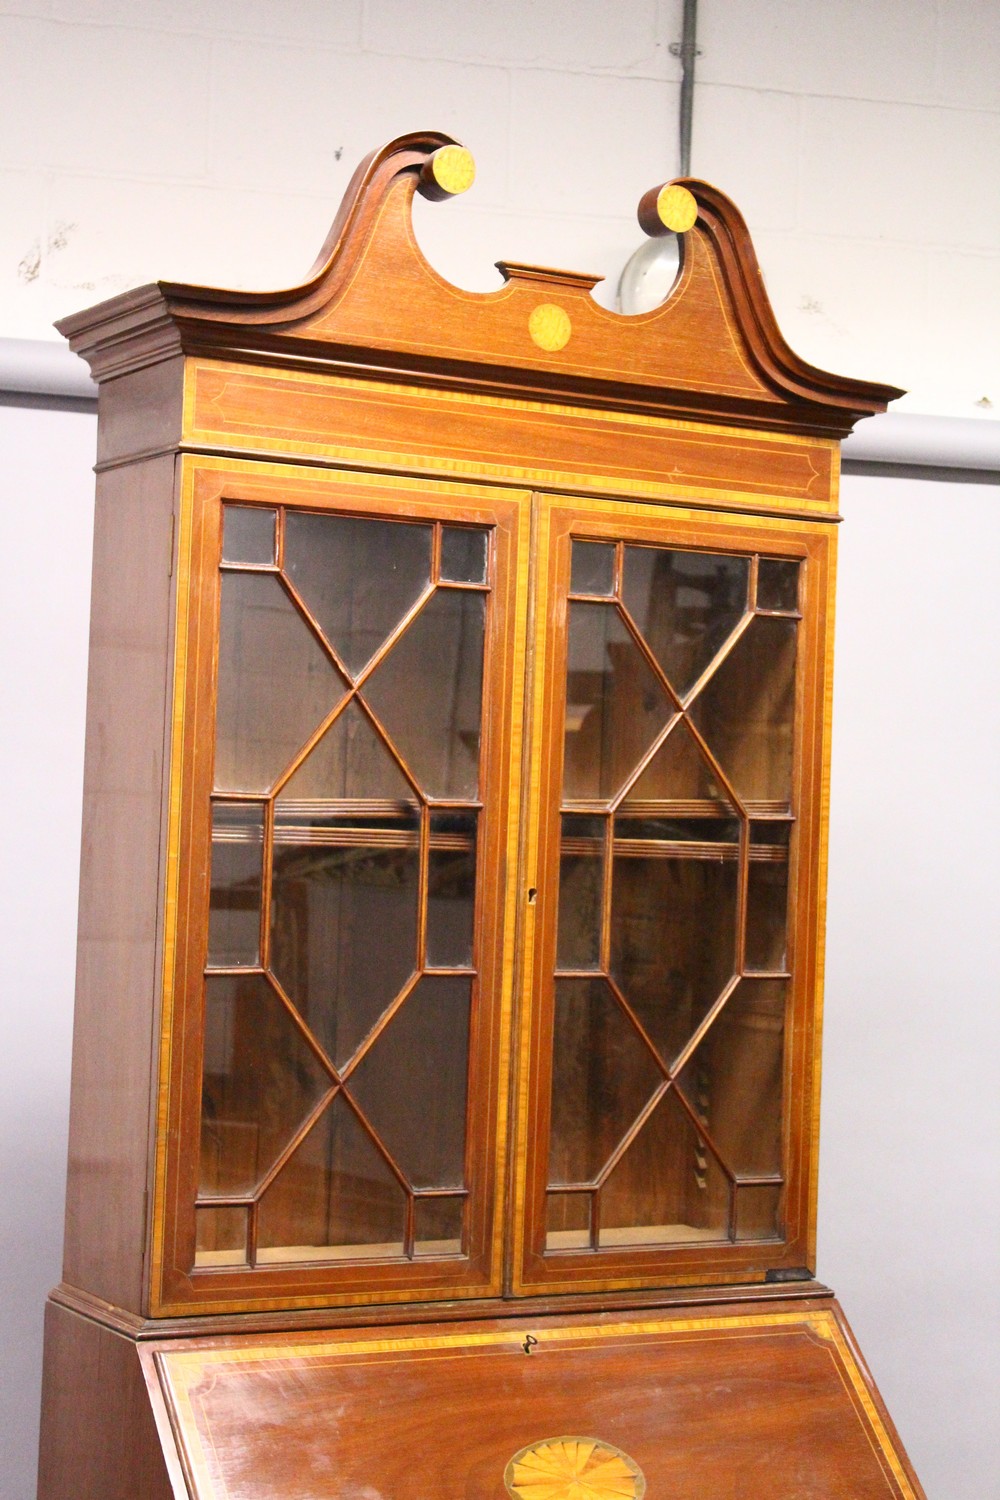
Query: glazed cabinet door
x=341, y=850
x=668, y=1047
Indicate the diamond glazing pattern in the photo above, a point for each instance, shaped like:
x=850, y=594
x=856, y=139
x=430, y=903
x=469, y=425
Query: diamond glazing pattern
x=677, y=808
x=342, y=788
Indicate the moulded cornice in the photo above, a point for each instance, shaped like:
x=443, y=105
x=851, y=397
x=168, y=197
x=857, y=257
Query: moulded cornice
x=373, y=306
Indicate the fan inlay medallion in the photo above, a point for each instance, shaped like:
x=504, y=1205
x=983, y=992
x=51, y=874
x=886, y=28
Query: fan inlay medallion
x=573, y=1468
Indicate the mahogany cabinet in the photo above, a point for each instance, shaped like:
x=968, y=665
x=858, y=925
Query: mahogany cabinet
x=452, y=904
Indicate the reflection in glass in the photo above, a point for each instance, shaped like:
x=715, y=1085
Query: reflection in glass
x=615, y=707
x=758, y=1213
x=344, y=919
x=220, y=1236
x=351, y=763
x=357, y=576
x=770, y=835
x=686, y=605
x=428, y=693
x=463, y=554
x=660, y=836
x=259, y=1084
x=734, y=1080
x=451, y=889
x=746, y=711
x=248, y=535
x=412, y=1082
x=679, y=772
x=667, y=1189
x=673, y=940
x=275, y=686
x=567, y=1221
x=234, y=908
x=767, y=908
x=778, y=584
x=592, y=568
x=336, y=1192
x=437, y=1226
x=602, y=1076
x=581, y=892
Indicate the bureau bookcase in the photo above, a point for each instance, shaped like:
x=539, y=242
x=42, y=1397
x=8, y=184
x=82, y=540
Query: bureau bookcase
x=446, y=1063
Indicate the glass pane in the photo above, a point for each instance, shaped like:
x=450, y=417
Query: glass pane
x=680, y=774
x=767, y=908
x=260, y=1082
x=351, y=764
x=667, y=1189
x=567, y=1221
x=769, y=835
x=758, y=1213
x=276, y=683
x=463, y=554
x=358, y=577
x=602, y=1076
x=451, y=889
x=412, y=1084
x=344, y=919
x=335, y=1193
x=581, y=892
x=237, y=859
x=673, y=939
x=777, y=584
x=248, y=535
x=437, y=1226
x=686, y=605
x=428, y=693
x=220, y=1236
x=734, y=1081
x=592, y=568
x=687, y=838
x=615, y=707
x=745, y=711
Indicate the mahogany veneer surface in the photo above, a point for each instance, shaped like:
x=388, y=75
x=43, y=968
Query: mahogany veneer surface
x=767, y=1403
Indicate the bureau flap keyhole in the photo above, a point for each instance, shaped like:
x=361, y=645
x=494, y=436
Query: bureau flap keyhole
x=532, y=895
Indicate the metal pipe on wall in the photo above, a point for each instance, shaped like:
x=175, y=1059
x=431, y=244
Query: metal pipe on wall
x=687, y=51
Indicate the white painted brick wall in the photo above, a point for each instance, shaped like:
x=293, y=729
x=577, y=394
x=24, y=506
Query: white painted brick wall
x=579, y=143
x=324, y=110
x=736, y=130
x=577, y=36
x=855, y=49
x=210, y=141
x=104, y=100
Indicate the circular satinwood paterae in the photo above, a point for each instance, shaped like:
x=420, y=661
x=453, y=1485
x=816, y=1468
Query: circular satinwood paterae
x=550, y=326
x=676, y=207
x=447, y=172
x=668, y=209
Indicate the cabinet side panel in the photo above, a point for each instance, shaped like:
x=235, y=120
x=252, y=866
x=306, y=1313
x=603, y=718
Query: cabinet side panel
x=117, y=972
x=98, y=1436
x=140, y=413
